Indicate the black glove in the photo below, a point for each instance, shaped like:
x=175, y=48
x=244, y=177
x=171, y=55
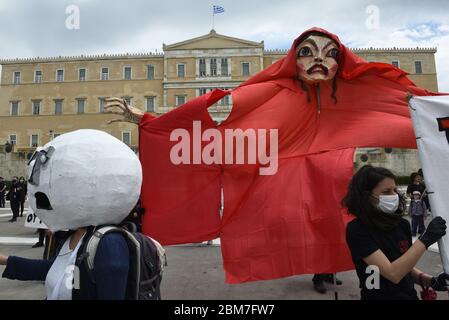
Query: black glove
x=440, y=283
x=434, y=232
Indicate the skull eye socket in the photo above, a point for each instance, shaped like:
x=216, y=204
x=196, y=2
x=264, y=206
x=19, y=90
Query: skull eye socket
x=304, y=52
x=42, y=201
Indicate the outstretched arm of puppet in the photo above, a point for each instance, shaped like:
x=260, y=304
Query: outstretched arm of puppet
x=25, y=269
x=128, y=113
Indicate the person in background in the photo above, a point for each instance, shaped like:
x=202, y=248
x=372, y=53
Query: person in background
x=14, y=196
x=23, y=194
x=415, y=184
x=424, y=196
x=380, y=239
x=2, y=192
x=417, y=212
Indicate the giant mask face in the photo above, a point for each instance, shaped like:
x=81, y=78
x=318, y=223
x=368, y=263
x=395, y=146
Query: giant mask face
x=83, y=178
x=317, y=59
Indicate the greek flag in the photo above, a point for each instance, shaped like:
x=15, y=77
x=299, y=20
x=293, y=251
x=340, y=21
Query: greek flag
x=218, y=9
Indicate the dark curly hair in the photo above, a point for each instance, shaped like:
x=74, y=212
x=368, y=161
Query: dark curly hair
x=357, y=198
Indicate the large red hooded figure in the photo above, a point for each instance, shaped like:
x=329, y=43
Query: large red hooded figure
x=290, y=222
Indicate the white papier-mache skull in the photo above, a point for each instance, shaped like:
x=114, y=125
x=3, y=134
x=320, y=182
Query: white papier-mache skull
x=83, y=178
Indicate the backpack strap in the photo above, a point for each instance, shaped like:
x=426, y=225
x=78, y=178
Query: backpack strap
x=91, y=245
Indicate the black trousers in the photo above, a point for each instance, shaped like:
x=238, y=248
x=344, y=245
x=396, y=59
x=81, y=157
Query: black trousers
x=418, y=224
x=21, y=205
x=15, y=209
x=2, y=200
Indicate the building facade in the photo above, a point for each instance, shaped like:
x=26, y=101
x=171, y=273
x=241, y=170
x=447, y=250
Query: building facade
x=41, y=98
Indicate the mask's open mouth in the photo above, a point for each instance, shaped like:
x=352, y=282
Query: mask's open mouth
x=42, y=201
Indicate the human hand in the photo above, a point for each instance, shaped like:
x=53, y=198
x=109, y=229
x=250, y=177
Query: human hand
x=441, y=282
x=3, y=259
x=434, y=232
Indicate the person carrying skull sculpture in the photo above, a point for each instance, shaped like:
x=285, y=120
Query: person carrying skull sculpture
x=73, y=187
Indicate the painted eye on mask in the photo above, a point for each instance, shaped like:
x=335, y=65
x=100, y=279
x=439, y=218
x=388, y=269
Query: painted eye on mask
x=333, y=53
x=304, y=52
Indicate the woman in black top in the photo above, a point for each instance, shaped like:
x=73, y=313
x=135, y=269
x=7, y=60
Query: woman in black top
x=380, y=239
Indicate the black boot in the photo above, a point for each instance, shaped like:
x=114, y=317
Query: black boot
x=318, y=283
x=37, y=245
x=330, y=279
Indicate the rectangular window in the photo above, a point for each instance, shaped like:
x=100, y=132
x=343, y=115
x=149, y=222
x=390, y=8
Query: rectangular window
x=418, y=67
x=82, y=75
x=150, y=72
x=180, y=100
x=245, y=69
x=181, y=70
x=224, y=67
x=102, y=103
x=213, y=67
x=202, y=63
x=104, y=73
x=225, y=101
x=80, y=106
x=127, y=73
x=14, y=108
x=34, y=141
x=202, y=91
x=38, y=76
x=59, y=75
x=150, y=104
x=13, y=139
x=36, y=105
x=395, y=63
x=58, y=106
x=16, y=77
x=126, y=138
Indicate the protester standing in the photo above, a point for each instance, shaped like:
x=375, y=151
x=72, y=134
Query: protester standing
x=23, y=194
x=14, y=198
x=380, y=239
x=416, y=184
x=2, y=192
x=417, y=211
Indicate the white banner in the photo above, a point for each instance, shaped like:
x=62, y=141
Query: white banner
x=431, y=123
x=32, y=221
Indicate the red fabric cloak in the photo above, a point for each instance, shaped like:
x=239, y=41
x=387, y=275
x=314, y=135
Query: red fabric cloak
x=291, y=222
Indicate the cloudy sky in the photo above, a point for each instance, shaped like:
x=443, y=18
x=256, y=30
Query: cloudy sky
x=31, y=28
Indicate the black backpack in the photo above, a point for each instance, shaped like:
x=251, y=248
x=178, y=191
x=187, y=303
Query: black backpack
x=147, y=260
